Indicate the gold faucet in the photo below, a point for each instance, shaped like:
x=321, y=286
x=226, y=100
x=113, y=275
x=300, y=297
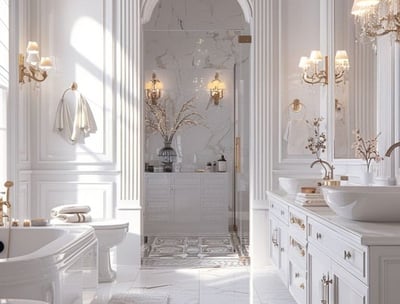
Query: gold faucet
x=324, y=164
x=392, y=178
x=8, y=185
x=391, y=148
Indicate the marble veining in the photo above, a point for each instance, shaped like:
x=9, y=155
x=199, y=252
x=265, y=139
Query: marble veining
x=186, y=43
x=189, y=15
x=239, y=285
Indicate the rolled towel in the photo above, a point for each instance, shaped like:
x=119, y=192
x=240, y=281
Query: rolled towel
x=137, y=298
x=71, y=208
x=74, y=217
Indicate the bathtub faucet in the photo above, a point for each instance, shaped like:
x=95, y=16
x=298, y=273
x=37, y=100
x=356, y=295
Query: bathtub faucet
x=8, y=185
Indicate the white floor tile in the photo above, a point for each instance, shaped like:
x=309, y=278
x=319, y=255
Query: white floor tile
x=201, y=286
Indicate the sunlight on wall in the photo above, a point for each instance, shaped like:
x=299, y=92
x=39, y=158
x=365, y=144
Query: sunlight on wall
x=87, y=39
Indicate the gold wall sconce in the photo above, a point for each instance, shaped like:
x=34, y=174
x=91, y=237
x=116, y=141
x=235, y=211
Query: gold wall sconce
x=377, y=17
x=37, y=67
x=153, y=89
x=312, y=74
x=216, y=88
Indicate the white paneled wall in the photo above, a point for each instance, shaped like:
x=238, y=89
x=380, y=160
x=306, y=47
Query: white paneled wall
x=53, y=171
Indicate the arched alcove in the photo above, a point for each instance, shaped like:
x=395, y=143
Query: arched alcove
x=184, y=44
x=149, y=5
x=263, y=18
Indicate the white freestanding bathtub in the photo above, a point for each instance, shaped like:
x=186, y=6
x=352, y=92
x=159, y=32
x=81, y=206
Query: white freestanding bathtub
x=57, y=265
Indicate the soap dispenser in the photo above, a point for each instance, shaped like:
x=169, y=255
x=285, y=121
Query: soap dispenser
x=221, y=165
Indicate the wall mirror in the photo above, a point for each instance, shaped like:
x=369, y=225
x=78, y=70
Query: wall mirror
x=354, y=102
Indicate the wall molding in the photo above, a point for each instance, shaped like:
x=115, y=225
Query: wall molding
x=149, y=5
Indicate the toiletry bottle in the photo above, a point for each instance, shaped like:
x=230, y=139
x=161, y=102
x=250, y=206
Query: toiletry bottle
x=221, y=165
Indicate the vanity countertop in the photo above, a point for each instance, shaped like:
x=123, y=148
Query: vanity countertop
x=365, y=233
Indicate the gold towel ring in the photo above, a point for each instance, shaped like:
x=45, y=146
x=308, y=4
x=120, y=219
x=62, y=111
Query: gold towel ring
x=296, y=106
x=73, y=87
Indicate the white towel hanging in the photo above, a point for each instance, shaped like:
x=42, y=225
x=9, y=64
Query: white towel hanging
x=81, y=126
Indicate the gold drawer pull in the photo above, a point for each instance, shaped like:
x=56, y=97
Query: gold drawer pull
x=346, y=255
x=274, y=237
x=302, y=286
x=295, y=220
x=298, y=246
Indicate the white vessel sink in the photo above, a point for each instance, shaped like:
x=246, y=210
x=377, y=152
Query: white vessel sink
x=292, y=185
x=364, y=203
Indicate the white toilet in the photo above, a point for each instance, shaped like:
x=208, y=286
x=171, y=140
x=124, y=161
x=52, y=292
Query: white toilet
x=109, y=233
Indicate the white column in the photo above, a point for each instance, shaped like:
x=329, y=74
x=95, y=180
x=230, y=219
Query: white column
x=128, y=93
x=386, y=104
x=265, y=89
x=129, y=99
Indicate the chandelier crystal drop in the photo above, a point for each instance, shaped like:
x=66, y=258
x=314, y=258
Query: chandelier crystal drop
x=377, y=17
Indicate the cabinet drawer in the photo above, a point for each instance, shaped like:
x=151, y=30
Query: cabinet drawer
x=157, y=179
x=351, y=256
x=297, y=251
x=281, y=211
x=297, y=282
x=298, y=224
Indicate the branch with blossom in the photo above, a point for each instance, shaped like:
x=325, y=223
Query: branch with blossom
x=316, y=142
x=157, y=118
x=366, y=149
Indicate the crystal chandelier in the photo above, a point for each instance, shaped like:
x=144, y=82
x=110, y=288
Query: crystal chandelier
x=377, y=17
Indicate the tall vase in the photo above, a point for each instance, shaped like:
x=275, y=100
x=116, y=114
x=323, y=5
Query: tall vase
x=167, y=156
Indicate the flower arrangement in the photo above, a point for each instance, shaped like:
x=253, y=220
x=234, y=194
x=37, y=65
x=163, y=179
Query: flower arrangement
x=157, y=117
x=316, y=142
x=366, y=149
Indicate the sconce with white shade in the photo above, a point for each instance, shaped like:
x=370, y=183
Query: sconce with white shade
x=216, y=88
x=153, y=89
x=377, y=17
x=313, y=73
x=37, y=67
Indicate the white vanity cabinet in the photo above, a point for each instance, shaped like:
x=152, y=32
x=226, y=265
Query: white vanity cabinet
x=331, y=283
x=186, y=203
x=279, y=239
x=332, y=260
x=297, y=255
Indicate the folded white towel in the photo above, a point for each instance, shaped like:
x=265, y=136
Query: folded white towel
x=138, y=298
x=71, y=208
x=74, y=217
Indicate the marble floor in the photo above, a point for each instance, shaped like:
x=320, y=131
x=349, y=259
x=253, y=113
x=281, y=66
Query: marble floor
x=237, y=285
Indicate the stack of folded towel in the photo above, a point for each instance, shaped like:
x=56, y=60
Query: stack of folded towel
x=310, y=199
x=73, y=213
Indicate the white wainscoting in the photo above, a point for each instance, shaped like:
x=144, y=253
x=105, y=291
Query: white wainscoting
x=50, y=190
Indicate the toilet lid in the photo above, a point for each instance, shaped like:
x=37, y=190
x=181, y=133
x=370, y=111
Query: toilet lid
x=109, y=224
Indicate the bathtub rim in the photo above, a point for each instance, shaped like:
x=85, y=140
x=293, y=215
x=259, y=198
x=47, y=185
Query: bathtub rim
x=52, y=258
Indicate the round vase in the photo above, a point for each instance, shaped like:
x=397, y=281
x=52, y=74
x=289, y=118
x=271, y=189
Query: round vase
x=167, y=156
